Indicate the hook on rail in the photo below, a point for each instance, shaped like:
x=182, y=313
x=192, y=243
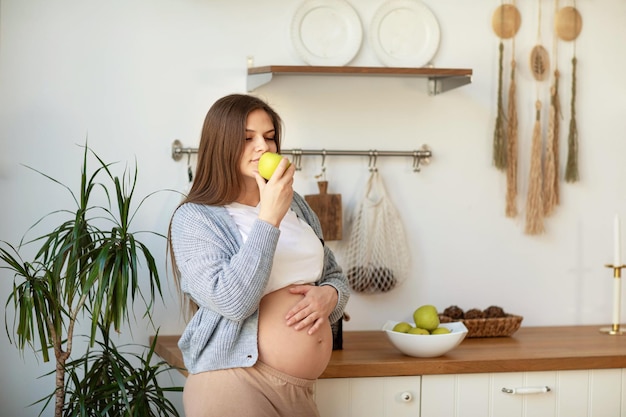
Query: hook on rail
x=372, y=162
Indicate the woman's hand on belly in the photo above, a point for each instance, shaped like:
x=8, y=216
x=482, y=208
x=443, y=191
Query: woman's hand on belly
x=295, y=352
x=313, y=310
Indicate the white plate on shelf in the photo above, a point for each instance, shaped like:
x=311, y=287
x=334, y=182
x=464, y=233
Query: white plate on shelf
x=326, y=32
x=404, y=33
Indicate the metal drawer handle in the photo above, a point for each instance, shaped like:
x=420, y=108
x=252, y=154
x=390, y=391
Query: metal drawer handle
x=527, y=390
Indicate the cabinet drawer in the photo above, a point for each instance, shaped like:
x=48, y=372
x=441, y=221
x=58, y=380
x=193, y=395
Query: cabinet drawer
x=369, y=397
x=588, y=393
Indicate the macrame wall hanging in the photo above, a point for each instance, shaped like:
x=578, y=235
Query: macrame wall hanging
x=506, y=21
x=568, y=25
x=540, y=69
x=543, y=194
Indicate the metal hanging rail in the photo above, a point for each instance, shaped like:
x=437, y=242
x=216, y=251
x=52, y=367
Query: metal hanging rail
x=420, y=157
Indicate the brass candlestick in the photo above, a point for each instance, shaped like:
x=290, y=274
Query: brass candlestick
x=615, y=327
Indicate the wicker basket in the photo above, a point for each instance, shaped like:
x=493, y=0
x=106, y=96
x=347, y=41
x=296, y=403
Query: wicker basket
x=494, y=327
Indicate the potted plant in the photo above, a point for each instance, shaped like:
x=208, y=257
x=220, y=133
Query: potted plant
x=88, y=267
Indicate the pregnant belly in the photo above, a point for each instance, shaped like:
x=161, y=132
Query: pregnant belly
x=294, y=352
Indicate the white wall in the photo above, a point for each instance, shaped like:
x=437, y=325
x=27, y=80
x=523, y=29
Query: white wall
x=134, y=76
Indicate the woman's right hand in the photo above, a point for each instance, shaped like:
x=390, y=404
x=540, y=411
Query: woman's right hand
x=277, y=193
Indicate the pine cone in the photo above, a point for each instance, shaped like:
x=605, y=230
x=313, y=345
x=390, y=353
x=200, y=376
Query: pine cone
x=493, y=312
x=454, y=312
x=474, y=313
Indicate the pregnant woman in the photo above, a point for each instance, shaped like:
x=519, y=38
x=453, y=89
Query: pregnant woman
x=250, y=262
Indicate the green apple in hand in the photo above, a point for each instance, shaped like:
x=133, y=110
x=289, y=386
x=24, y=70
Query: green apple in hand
x=268, y=163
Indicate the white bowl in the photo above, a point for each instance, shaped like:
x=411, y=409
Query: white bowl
x=426, y=346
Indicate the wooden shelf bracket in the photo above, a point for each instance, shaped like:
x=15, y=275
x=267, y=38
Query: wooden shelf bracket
x=440, y=80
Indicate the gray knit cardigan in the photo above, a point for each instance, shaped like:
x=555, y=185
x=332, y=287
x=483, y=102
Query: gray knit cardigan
x=226, y=278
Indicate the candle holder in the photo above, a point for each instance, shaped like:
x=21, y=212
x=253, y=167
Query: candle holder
x=615, y=330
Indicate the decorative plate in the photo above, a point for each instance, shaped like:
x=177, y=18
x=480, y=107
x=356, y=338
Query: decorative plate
x=404, y=33
x=326, y=32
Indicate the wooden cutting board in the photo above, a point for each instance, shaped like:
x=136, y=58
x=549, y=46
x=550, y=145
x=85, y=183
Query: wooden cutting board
x=328, y=209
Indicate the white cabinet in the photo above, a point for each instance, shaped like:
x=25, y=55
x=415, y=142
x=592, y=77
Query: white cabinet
x=585, y=393
x=363, y=397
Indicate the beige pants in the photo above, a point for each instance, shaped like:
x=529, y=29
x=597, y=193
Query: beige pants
x=259, y=391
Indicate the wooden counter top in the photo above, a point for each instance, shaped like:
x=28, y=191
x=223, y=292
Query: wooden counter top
x=369, y=353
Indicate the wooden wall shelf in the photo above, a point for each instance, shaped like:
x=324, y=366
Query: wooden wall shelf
x=440, y=80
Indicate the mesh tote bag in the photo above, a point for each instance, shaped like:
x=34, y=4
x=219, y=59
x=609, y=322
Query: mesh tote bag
x=377, y=255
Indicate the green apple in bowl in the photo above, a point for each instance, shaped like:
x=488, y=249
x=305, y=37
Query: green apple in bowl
x=440, y=330
x=417, y=330
x=268, y=163
x=426, y=317
x=402, y=327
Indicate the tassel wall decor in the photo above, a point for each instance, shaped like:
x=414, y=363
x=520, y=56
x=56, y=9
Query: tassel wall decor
x=543, y=188
x=499, y=150
x=550, y=169
x=557, y=134
x=571, y=170
x=511, y=133
x=505, y=22
x=512, y=151
x=540, y=65
x=549, y=198
x=551, y=161
x=568, y=25
x=499, y=146
x=534, y=201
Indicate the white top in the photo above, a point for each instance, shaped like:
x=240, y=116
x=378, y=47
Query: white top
x=299, y=256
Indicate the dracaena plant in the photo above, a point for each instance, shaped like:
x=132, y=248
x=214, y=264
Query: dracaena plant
x=108, y=381
x=87, y=267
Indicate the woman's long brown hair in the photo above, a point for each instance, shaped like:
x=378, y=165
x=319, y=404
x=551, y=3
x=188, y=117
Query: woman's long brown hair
x=218, y=179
